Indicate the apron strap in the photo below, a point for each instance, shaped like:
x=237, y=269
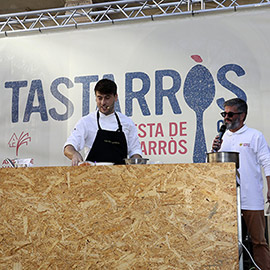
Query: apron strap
x=117, y=118
x=98, y=121
x=119, y=123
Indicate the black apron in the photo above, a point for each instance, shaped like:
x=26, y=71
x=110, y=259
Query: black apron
x=109, y=146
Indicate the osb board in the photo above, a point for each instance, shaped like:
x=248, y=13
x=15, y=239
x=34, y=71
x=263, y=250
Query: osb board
x=168, y=216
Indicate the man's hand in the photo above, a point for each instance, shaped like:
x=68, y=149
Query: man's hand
x=73, y=155
x=216, y=144
x=76, y=159
x=136, y=156
x=268, y=191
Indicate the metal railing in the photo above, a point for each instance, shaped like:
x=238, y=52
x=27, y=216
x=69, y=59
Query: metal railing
x=111, y=12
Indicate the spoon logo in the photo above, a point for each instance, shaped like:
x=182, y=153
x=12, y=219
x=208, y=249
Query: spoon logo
x=199, y=93
x=16, y=142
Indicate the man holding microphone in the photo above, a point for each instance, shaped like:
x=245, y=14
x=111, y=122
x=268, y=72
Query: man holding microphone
x=253, y=154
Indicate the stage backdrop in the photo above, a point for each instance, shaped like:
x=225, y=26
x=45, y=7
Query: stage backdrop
x=173, y=75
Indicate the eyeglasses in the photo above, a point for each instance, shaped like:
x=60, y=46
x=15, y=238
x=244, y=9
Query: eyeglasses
x=230, y=114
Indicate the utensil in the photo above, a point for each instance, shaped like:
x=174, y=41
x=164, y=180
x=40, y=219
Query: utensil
x=199, y=92
x=10, y=162
x=90, y=163
x=223, y=157
x=131, y=161
x=103, y=163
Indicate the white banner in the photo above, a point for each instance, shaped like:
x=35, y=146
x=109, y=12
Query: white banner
x=172, y=75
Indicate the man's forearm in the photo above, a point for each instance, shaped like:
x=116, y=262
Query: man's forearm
x=73, y=155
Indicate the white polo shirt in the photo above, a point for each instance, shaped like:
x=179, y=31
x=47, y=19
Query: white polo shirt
x=254, y=153
x=84, y=133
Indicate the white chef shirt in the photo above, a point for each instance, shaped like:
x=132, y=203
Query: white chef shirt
x=254, y=153
x=84, y=133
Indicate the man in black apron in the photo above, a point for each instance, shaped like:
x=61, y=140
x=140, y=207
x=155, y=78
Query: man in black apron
x=108, y=145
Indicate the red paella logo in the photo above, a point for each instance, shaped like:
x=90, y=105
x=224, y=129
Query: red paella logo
x=16, y=142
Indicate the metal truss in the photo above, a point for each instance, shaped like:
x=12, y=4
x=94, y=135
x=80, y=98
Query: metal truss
x=111, y=12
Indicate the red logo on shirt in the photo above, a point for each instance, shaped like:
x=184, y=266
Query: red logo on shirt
x=16, y=142
x=245, y=144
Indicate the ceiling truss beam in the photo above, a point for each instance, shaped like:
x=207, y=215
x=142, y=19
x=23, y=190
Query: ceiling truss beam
x=112, y=12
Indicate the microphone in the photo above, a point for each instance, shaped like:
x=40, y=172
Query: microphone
x=221, y=131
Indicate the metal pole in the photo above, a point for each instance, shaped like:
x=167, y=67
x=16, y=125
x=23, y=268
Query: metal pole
x=239, y=223
x=268, y=230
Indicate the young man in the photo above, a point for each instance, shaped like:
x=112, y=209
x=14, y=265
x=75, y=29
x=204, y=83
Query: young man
x=254, y=153
x=110, y=136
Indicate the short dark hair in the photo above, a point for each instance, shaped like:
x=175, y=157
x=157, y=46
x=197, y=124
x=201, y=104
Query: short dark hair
x=239, y=103
x=106, y=86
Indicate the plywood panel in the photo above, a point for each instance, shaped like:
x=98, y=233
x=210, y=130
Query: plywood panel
x=167, y=216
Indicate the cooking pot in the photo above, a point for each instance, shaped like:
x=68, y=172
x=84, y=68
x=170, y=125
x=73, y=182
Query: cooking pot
x=130, y=161
x=223, y=157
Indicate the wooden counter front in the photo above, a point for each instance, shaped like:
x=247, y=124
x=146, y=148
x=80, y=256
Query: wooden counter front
x=167, y=216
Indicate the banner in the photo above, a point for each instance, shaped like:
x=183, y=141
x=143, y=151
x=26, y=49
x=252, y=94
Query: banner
x=173, y=75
